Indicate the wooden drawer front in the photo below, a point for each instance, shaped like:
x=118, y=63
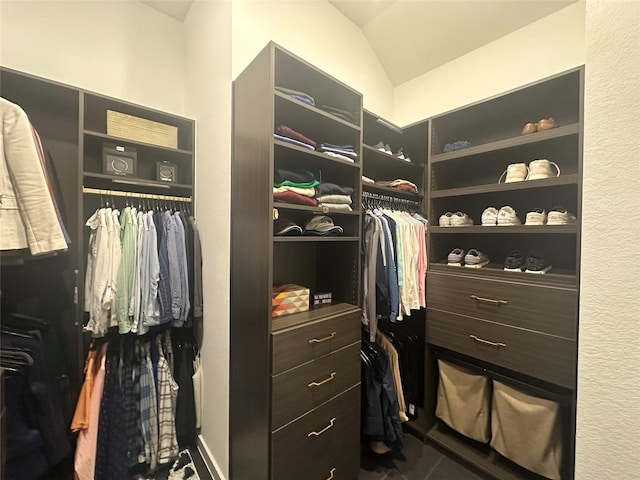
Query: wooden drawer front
x=298, y=455
x=301, y=389
x=542, y=356
x=545, y=309
x=297, y=345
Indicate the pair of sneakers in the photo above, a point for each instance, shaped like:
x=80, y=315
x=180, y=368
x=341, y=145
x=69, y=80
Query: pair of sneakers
x=537, y=170
x=533, y=263
x=556, y=216
x=385, y=148
x=457, y=219
x=472, y=259
x=504, y=217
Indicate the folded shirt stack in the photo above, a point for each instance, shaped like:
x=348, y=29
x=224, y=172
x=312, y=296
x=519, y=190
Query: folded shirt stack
x=289, y=135
x=346, y=150
x=334, y=196
x=338, y=112
x=399, y=184
x=303, y=97
x=295, y=187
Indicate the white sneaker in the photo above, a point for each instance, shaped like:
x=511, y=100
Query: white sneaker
x=516, y=172
x=541, y=168
x=445, y=219
x=460, y=219
x=490, y=216
x=537, y=216
x=507, y=216
x=560, y=216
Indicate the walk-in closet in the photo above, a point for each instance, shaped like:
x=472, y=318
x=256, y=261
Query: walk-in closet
x=328, y=240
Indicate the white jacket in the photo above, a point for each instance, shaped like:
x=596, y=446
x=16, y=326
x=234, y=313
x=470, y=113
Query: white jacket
x=27, y=213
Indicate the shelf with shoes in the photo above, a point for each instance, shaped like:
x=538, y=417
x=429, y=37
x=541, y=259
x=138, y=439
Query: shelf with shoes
x=507, y=161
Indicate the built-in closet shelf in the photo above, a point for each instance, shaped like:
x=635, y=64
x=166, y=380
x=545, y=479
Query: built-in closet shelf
x=316, y=155
x=478, y=455
x=137, y=181
x=558, y=132
x=498, y=229
x=374, y=153
x=315, y=239
x=315, y=110
x=394, y=192
x=570, y=179
x=560, y=277
x=186, y=153
x=315, y=314
x=310, y=209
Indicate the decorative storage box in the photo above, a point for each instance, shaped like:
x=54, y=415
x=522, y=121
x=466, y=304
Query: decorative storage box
x=289, y=298
x=141, y=130
x=464, y=401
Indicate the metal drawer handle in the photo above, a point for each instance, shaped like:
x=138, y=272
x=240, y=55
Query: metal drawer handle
x=317, y=384
x=488, y=342
x=315, y=434
x=330, y=477
x=320, y=340
x=488, y=300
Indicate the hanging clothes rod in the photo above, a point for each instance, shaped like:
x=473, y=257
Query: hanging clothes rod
x=388, y=199
x=118, y=193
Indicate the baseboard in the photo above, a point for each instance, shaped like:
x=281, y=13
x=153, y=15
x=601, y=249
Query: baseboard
x=207, y=459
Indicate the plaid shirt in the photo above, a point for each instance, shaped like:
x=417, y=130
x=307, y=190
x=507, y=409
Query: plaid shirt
x=148, y=408
x=167, y=397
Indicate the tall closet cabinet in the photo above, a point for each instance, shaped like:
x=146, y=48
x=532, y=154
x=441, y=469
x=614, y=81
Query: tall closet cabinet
x=294, y=379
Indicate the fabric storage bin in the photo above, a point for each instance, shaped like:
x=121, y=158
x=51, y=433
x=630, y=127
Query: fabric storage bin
x=464, y=401
x=527, y=430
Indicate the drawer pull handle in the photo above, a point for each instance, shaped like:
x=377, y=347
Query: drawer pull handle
x=315, y=434
x=488, y=342
x=330, y=477
x=317, y=384
x=488, y=300
x=320, y=340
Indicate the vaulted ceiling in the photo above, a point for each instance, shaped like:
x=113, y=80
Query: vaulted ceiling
x=411, y=37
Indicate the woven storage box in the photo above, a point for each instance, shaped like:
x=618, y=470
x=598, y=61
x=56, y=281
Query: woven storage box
x=464, y=401
x=141, y=130
x=289, y=298
x=527, y=430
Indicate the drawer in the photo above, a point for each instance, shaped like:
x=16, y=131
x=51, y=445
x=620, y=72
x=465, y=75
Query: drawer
x=541, y=356
x=302, y=343
x=303, y=388
x=324, y=440
x=548, y=309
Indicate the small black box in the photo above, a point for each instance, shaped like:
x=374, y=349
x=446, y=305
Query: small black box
x=119, y=160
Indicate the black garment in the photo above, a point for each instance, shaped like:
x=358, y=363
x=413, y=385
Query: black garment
x=380, y=418
x=383, y=297
x=188, y=241
x=183, y=356
x=299, y=176
x=131, y=403
x=332, y=189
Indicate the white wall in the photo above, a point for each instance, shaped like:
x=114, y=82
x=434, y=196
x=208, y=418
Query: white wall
x=208, y=101
x=550, y=45
x=123, y=49
x=317, y=32
x=608, y=432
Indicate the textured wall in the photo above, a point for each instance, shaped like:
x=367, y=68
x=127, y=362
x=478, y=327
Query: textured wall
x=608, y=431
x=208, y=100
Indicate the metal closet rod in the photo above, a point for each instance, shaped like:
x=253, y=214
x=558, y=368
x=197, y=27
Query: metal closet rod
x=390, y=198
x=119, y=193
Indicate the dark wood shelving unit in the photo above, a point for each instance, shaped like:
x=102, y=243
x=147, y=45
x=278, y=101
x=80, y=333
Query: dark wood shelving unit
x=511, y=229
x=315, y=155
x=394, y=192
x=397, y=163
x=303, y=239
x=316, y=110
x=110, y=138
x=571, y=179
x=136, y=181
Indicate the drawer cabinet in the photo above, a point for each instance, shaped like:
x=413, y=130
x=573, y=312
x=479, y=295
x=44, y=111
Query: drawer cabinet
x=543, y=308
x=303, y=388
x=321, y=445
x=536, y=354
x=299, y=344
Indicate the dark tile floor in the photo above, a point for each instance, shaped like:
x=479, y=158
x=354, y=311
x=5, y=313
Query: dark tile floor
x=417, y=461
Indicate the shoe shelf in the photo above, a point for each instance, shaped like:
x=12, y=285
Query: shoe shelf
x=532, y=138
x=561, y=277
x=570, y=179
x=373, y=154
x=499, y=229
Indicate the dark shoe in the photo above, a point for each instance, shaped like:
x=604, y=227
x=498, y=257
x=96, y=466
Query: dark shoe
x=536, y=263
x=514, y=261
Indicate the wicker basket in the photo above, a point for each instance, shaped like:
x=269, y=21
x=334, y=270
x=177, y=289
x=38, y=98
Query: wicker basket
x=141, y=130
